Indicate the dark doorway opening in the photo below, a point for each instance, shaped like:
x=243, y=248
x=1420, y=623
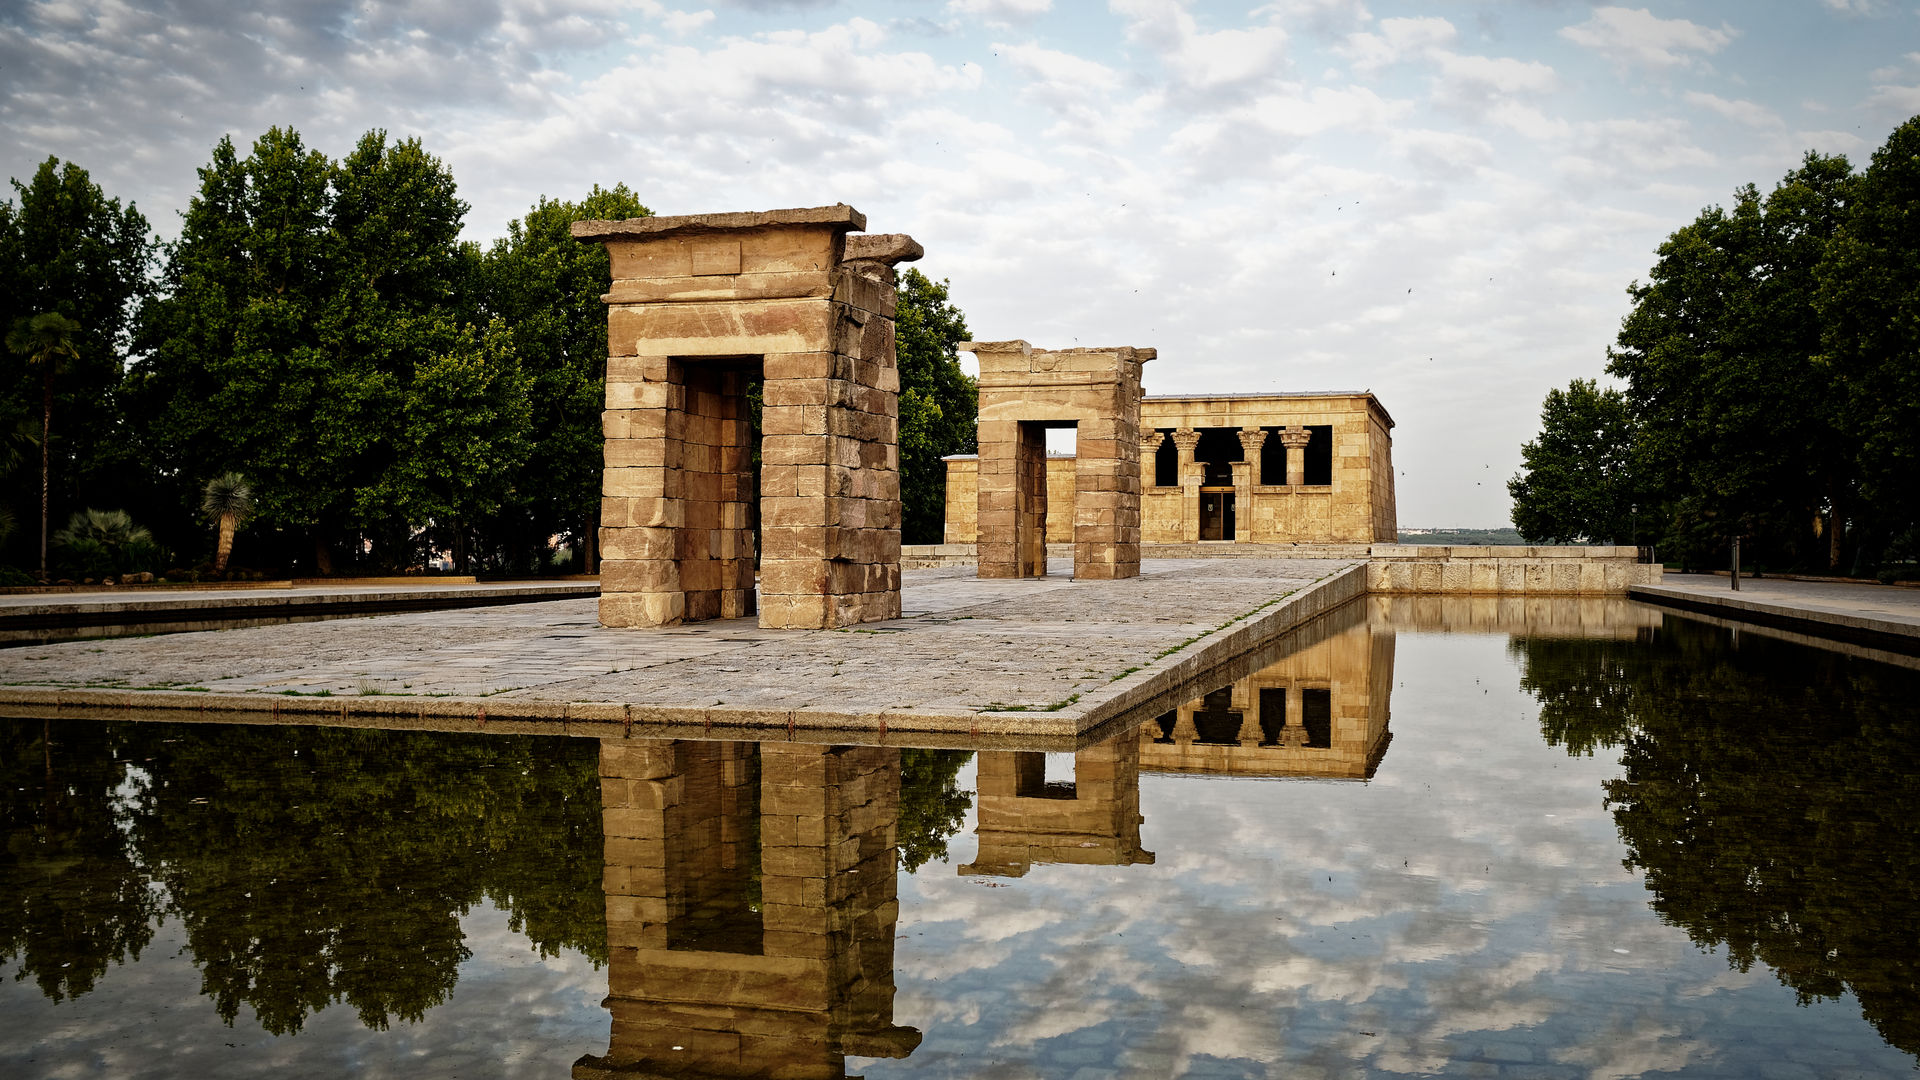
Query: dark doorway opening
x=713, y=853
x=1273, y=714
x=1319, y=453
x=1030, y=778
x=1216, y=515
x=1215, y=722
x=1316, y=715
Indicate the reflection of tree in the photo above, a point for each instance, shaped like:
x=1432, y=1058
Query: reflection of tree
x=1768, y=796
x=71, y=899
x=932, y=806
x=314, y=865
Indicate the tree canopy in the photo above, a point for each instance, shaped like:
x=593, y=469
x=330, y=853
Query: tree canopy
x=938, y=402
x=386, y=391
x=1770, y=392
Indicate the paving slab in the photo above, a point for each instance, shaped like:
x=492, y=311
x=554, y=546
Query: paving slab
x=1048, y=655
x=1883, y=616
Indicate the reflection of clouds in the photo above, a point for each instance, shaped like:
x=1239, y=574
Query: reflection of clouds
x=1469, y=903
x=553, y=1003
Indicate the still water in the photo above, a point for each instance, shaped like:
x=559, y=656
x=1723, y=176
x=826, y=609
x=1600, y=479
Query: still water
x=1443, y=838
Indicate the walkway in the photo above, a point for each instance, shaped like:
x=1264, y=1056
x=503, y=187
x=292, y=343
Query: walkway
x=39, y=616
x=1882, y=616
x=1046, y=656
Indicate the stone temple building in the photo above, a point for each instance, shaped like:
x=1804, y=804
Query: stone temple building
x=1255, y=468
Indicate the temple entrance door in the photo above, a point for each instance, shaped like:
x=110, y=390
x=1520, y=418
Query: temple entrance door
x=1216, y=515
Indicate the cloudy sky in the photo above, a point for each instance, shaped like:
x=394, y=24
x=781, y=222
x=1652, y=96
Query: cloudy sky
x=1441, y=202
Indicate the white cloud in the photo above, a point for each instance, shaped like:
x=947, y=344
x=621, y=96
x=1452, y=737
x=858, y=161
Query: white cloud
x=1902, y=99
x=1001, y=11
x=1197, y=60
x=1745, y=112
x=1637, y=37
x=1397, y=41
x=1855, y=7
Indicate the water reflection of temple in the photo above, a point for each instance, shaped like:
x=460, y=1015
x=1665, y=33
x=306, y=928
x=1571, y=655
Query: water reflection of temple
x=1318, y=711
x=1025, y=818
x=751, y=902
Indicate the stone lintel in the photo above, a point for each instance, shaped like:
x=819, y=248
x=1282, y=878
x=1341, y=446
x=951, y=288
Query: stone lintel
x=1135, y=353
x=889, y=248
x=839, y=214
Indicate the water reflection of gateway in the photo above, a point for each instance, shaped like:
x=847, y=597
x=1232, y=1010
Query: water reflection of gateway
x=751, y=900
x=1092, y=819
x=1319, y=711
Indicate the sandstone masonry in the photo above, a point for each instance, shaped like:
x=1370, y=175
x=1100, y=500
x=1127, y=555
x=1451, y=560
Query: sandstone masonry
x=701, y=307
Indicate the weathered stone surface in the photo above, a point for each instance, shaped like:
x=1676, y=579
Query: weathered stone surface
x=1024, y=391
x=664, y=226
x=889, y=248
x=702, y=306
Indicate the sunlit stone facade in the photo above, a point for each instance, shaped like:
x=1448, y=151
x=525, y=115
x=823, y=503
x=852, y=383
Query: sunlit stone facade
x=1254, y=468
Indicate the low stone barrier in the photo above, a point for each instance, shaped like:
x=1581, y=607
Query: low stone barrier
x=1413, y=569
x=1506, y=571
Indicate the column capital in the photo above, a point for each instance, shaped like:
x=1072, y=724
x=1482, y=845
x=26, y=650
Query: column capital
x=1295, y=438
x=1150, y=440
x=1186, y=439
x=1251, y=439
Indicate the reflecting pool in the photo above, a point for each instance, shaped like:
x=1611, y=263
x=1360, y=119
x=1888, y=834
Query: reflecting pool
x=1434, y=837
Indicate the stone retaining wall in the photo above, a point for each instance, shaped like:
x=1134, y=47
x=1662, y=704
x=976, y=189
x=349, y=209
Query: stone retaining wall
x=1412, y=569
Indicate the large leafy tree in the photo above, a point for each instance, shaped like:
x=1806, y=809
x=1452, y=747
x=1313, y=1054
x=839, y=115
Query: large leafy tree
x=300, y=302
x=1869, y=295
x=938, y=402
x=68, y=250
x=461, y=439
x=1736, y=421
x=545, y=288
x=1577, y=484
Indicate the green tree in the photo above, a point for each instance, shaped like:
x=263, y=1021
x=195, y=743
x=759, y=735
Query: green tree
x=1577, y=479
x=1736, y=422
x=932, y=804
x=939, y=403
x=67, y=249
x=226, y=502
x=299, y=303
x=43, y=342
x=461, y=441
x=545, y=287
x=1869, y=296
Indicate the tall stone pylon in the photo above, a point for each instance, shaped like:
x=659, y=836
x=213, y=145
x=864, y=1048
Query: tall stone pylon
x=703, y=308
x=1023, y=392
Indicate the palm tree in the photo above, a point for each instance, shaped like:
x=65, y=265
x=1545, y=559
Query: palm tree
x=43, y=341
x=226, y=501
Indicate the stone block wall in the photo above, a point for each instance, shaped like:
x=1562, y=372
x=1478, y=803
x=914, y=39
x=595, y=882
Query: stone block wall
x=816, y=828
x=1343, y=655
x=1024, y=391
x=700, y=307
x=1092, y=819
x=1511, y=570
x=1358, y=506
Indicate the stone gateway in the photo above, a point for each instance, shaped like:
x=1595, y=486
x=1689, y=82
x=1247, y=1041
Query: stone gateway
x=703, y=308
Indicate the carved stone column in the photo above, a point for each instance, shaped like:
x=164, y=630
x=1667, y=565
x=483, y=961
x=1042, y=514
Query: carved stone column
x=1244, y=476
x=1294, y=735
x=1190, y=479
x=1296, y=439
x=1151, y=440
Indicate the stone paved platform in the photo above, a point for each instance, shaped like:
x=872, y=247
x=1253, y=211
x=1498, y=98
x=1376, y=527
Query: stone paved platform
x=1881, y=616
x=105, y=612
x=1035, y=656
